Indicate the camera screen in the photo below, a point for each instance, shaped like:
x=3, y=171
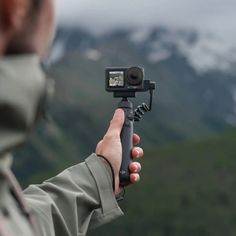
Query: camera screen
x=116, y=79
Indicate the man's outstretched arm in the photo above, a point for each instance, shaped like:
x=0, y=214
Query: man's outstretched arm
x=83, y=197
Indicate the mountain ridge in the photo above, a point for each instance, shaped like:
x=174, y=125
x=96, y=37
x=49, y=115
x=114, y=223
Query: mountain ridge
x=204, y=51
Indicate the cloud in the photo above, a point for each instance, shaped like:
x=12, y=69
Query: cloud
x=216, y=16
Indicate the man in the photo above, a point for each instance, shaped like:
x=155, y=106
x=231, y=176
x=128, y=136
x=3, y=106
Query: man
x=83, y=196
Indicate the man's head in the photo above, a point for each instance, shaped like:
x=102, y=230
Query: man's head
x=26, y=26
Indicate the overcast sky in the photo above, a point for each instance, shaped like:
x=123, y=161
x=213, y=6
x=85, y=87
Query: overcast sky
x=217, y=16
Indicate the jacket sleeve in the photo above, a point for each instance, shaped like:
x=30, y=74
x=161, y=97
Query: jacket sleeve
x=78, y=199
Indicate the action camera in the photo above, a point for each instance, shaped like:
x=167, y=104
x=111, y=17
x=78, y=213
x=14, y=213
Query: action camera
x=125, y=82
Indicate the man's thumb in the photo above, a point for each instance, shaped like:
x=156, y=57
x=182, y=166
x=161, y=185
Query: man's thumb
x=116, y=123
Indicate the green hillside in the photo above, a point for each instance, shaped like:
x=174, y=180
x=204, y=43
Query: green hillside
x=186, y=189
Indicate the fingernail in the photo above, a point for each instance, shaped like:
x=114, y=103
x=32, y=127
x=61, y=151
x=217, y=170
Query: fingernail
x=118, y=112
x=135, y=168
x=136, y=178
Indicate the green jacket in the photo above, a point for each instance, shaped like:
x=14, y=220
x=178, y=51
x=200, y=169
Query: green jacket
x=78, y=199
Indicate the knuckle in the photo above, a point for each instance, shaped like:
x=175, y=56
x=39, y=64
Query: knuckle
x=117, y=120
x=107, y=136
x=111, y=136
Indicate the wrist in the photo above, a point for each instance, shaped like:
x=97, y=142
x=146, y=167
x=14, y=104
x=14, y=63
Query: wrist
x=115, y=178
x=106, y=162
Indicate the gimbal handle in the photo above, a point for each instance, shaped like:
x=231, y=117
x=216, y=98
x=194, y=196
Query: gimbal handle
x=126, y=141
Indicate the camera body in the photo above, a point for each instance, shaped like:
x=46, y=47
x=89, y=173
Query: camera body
x=126, y=81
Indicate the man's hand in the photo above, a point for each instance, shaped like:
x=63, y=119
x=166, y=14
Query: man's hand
x=110, y=147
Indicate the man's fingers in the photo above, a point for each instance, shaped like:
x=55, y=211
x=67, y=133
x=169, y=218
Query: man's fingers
x=116, y=123
x=136, y=139
x=135, y=167
x=134, y=178
x=137, y=153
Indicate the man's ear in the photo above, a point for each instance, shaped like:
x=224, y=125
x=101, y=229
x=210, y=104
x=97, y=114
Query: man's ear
x=13, y=13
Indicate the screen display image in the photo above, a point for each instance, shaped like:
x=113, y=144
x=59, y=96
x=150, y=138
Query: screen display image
x=116, y=79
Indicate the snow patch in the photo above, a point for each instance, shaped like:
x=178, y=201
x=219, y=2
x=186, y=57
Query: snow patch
x=57, y=52
x=208, y=53
x=92, y=54
x=139, y=35
x=204, y=51
x=158, y=56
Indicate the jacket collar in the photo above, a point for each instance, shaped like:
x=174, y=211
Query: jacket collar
x=22, y=92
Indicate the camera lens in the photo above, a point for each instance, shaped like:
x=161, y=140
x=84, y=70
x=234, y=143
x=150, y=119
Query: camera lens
x=135, y=76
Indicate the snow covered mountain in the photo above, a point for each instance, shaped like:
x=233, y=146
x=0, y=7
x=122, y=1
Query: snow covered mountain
x=204, y=51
